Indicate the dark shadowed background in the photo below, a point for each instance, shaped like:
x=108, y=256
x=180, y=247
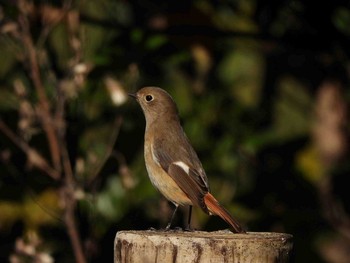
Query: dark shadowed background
x=262, y=88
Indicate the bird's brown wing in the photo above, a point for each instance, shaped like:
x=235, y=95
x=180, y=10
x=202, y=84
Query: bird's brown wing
x=178, y=163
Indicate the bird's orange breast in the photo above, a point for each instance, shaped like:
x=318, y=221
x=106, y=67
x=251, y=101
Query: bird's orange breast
x=162, y=181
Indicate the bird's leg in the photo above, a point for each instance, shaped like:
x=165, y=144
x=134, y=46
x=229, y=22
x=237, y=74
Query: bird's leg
x=188, y=228
x=172, y=217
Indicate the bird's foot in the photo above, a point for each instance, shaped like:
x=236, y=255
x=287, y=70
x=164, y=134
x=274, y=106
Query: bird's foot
x=168, y=228
x=189, y=229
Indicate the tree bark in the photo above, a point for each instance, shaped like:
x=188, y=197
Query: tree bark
x=202, y=247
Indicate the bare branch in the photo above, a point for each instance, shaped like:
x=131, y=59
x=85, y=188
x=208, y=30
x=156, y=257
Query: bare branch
x=331, y=140
x=34, y=157
x=112, y=139
x=69, y=219
x=51, y=17
x=53, y=124
x=333, y=209
x=44, y=106
x=127, y=177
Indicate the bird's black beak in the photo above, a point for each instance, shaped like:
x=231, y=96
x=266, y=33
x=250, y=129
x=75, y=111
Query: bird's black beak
x=133, y=95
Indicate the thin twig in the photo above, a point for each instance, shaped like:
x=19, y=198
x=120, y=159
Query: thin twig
x=70, y=202
x=333, y=209
x=128, y=181
x=34, y=157
x=71, y=225
x=49, y=26
x=44, y=106
x=56, y=139
x=112, y=139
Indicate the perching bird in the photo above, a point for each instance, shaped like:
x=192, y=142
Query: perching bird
x=172, y=164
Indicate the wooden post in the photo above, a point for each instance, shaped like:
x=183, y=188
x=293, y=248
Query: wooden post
x=201, y=247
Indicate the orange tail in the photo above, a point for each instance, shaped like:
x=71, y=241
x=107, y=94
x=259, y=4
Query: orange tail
x=215, y=208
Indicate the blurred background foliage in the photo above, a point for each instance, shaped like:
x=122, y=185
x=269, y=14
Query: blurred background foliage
x=262, y=90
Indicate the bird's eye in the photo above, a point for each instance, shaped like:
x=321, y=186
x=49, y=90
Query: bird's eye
x=149, y=98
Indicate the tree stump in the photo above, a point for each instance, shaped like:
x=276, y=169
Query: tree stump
x=201, y=247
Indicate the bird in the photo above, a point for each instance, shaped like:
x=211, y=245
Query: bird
x=171, y=162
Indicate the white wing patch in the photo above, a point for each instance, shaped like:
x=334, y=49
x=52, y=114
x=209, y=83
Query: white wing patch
x=184, y=166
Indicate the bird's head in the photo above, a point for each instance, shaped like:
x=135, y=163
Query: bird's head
x=156, y=103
